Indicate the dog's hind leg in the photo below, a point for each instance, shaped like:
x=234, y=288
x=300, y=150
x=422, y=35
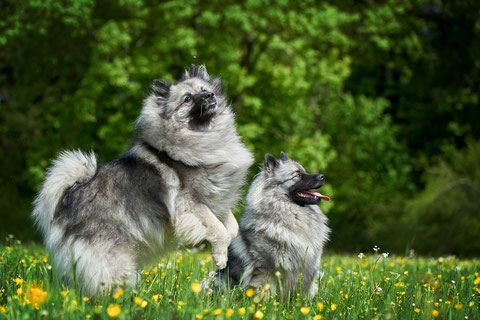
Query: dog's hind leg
x=202, y=224
x=98, y=266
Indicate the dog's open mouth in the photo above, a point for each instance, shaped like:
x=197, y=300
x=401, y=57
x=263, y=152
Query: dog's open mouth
x=208, y=107
x=311, y=195
x=301, y=192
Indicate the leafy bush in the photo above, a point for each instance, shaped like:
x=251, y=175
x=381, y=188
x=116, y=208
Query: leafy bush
x=446, y=214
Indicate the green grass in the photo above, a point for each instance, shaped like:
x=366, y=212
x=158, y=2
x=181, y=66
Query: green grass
x=411, y=288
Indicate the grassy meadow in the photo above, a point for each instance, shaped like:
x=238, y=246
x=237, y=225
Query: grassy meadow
x=372, y=286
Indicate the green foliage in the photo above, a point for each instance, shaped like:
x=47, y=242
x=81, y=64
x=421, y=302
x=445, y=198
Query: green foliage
x=370, y=172
x=351, y=288
x=365, y=92
x=445, y=214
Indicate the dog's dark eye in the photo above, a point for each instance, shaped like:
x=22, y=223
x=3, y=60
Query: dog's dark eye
x=188, y=98
x=299, y=174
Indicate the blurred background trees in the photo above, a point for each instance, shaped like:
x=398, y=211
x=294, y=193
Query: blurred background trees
x=380, y=96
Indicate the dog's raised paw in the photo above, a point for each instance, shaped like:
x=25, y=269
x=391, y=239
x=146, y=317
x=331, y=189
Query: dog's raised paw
x=220, y=260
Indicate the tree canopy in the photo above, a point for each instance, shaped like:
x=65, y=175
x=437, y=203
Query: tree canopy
x=370, y=93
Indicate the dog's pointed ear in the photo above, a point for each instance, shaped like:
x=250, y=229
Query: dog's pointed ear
x=191, y=72
x=270, y=163
x=283, y=156
x=161, y=88
x=197, y=72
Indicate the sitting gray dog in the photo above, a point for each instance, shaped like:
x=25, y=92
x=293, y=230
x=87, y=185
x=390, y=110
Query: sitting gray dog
x=282, y=230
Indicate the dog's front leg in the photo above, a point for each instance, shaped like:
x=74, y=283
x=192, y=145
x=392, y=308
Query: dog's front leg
x=201, y=224
x=291, y=282
x=231, y=225
x=311, y=272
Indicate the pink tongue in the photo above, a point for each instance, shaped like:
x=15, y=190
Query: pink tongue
x=316, y=194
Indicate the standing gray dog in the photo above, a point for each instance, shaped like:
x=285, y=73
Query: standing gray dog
x=282, y=230
x=177, y=183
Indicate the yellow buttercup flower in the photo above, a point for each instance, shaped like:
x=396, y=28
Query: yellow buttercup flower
x=471, y=304
x=18, y=281
x=458, y=306
x=196, y=287
x=217, y=312
x=317, y=317
x=258, y=315
x=181, y=303
x=477, y=281
x=118, y=293
x=36, y=296
x=320, y=306
x=241, y=311
x=304, y=310
x=19, y=291
x=144, y=304
x=250, y=292
x=229, y=313
x=198, y=316
x=3, y=310
x=435, y=313
x=137, y=301
x=417, y=310
x=334, y=307
x=64, y=293
x=114, y=310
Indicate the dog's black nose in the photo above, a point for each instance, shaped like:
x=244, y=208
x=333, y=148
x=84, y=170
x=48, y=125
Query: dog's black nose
x=207, y=95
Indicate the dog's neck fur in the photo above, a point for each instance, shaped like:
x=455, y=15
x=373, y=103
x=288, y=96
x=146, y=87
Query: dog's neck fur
x=220, y=144
x=217, y=153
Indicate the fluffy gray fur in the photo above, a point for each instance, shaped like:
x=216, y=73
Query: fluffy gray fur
x=176, y=184
x=277, y=233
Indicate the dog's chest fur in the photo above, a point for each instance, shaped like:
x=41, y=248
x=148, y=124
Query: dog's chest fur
x=218, y=186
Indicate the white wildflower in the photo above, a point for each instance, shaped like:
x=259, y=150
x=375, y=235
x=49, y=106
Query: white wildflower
x=361, y=255
x=208, y=291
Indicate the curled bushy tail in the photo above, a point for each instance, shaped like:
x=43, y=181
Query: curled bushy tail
x=68, y=168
